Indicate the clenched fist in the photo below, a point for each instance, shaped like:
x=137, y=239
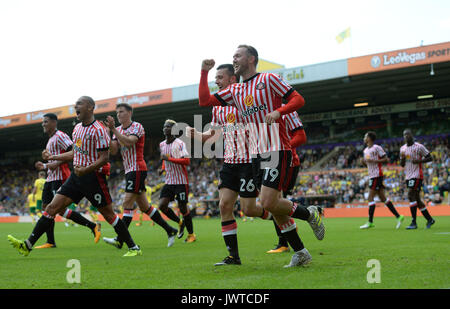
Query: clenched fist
x=46, y=154
x=208, y=64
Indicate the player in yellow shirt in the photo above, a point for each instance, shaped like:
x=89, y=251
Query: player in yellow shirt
x=37, y=191
x=31, y=199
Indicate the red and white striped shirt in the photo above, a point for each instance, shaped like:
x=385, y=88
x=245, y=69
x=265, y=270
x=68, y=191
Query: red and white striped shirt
x=414, y=152
x=57, y=144
x=375, y=152
x=87, y=142
x=234, y=134
x=133, y=157
x=293, y=122
x=255, y=98
x=176, y=174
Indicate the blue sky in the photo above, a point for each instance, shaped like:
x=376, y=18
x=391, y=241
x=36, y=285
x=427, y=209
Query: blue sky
x=55, y=51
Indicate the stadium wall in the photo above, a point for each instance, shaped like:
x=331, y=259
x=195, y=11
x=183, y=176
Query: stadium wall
x=340, y=211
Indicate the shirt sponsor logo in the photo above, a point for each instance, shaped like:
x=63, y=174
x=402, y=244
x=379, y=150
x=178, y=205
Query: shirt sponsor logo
x=248, y=100
x=233, y=127
x=78, y=149
x=252, y=110
x=231, y=118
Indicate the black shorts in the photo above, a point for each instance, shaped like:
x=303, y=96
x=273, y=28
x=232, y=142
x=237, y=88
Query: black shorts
x=93, y=186
x=376, y=183
x=178, y=192
x=293, y=173
x=238, y=178
x=135, y=182
x=49, y=191
x=414, y=184
x=272, y=169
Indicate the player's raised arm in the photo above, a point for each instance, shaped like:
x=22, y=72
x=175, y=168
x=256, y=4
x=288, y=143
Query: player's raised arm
x=204, y=96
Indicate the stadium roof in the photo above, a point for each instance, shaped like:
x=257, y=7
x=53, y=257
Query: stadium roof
x=380, y=79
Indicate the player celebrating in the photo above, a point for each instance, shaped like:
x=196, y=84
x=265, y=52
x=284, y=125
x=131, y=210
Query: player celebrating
x=130, y=137
x=175, y=159
x=258, y=99
x=57, y=172
x=412, y=156
x=237, y=168
x=373, y=157
x=90, y=155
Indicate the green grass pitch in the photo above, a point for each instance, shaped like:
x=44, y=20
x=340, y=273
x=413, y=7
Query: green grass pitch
x=417, y=259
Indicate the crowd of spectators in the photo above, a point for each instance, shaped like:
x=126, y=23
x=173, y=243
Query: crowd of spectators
x=352, y=187
x=337, y=176
x=17, y=182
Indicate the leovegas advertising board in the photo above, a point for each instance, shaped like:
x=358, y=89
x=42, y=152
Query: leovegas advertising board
x=399, y=59
x=101, y=106
x=136, y=100
x=35, y=117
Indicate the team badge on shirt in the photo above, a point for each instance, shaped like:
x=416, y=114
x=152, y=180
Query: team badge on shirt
x=260, y=86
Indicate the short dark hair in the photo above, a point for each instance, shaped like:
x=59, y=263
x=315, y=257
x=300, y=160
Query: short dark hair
x=250, y=51
x=229, y=68
x=126, y=106
x=51, y=116
x=88, y=99
x=372, y=135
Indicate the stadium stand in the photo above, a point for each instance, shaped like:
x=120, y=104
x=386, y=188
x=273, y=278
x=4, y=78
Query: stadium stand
x=340, y=177
x=331, y=173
